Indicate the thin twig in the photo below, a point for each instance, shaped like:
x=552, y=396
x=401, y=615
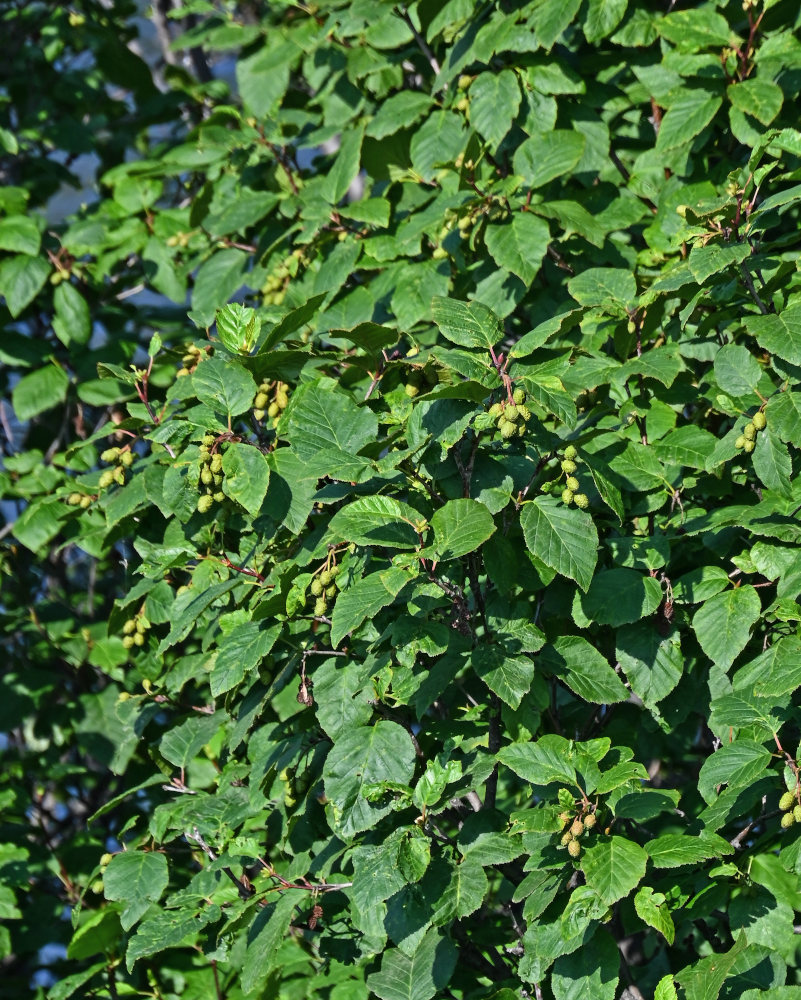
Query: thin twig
x=421, y=42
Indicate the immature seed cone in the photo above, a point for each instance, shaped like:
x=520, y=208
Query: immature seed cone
x=204, y=504
x=570, y=453
x=574, y=848
x=519, y=396
x=787, y=801
x=567, y=497
x=507, y=429
x=787, y=821
x=566, y=838
x=581, y=500
x=569, y=466
x=590, y=821
x=572, y=483
x=577, y=828
x=749, y=432
x=759, y=420
x=739, y=444
x=797, y=814
x=748, y=447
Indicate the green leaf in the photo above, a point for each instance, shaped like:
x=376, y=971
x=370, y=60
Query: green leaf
x=704, y=979
x=327, y=428
x=365, y=756
x=224, y=387
x=695, y=29
x=519, y=246
x=653, y=663
x=540, y=763
x=779, y=334
x=21, y=279
x=241, y=651
x=136, y=876
x=689, y=113
x=293, y=320
x=494, y=102
x=346, y=165
x=604, y=286
x=377, y=520
x=550, y=20
x=216, y=281
x=265, y=936
x=468, y=324
x=342, y=696
x=247, y=476
x=736, y=764
x=675, y=849
x=238, y=327
x=690, y=446
x=619, y=596
x=20, y=234
x=652, y=909
x=593, y=972
x=737, y=370
x=772, y=463
x=723, y=624
x=461, y=526
x=613, y=867
x=415, y=977
x=602, y=17
x=182, y=743
x=364, y=599
x=507, y=676
x=39, y=391
x=563, y=538
x=775, y=672
x=666, y=989
x=712, y=258
x=438, y=141
x=583, y=669
x=464, y=893
x=784, y=415
x=544, y=157
x=760, y=98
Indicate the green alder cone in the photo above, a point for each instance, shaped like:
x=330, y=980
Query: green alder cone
x=787, y=801
x=749, y=432
x=797, y=813
x=581, y=500
x=507, y=429
x=204, y=503
x=787, y=820
x=749, y=446
x=574, y=848
x=569, y=466
x=316, y=587
x=570, y=455
x=759, y=420
x=739, y=444
x=567, y=497
x=572, y=483
x=590, y=820
x=519, y=396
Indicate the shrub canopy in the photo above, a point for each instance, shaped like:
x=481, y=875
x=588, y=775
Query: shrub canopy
x=400, y=483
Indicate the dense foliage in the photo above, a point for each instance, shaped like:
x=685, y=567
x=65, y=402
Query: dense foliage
x=401, y=498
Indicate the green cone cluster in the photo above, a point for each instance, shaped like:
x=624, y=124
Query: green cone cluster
x=323, y=589
x=270, y=401
x=747, y=440
x=134, y=631
x=82, y=500
x=579, y=825
x=511, y=417
x=123, y=458
x=571, y=494
x=194, y=355
x=211, y=474
x=274, y=288
x=791, y=808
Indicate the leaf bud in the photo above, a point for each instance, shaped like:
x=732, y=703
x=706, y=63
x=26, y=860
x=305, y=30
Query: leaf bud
x=759, y=420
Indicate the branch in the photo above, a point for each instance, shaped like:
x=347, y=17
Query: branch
x=421, y=42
